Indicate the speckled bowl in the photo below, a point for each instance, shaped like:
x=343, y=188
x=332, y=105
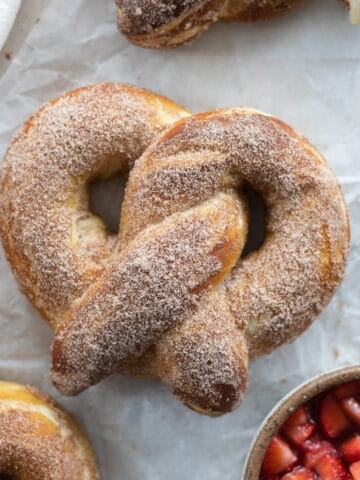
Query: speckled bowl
x=286, y=406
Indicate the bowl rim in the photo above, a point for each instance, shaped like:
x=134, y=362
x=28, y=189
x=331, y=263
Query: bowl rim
x=288, y=404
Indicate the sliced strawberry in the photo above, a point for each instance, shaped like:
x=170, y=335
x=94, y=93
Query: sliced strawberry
x=298, y=428
x=330, y=467
x=299, y=434
x=299, y=417
x=315, y=451
x=355, y=470
x=350, y=450
x=332, y=418
x=279, y=457
x=299, y=473
x=315, y=439
x=349, y=389
x=352, y=409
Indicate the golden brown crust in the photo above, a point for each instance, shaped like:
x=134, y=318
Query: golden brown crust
x=171, y=23
x=39, y=440
x=169, y=297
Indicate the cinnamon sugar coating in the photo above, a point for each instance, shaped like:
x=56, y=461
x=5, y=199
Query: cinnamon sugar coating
x=39, y=440
x=169, y=23
x=169, y=296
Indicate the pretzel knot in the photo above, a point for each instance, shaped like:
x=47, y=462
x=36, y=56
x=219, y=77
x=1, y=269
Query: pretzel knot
x=170, y=296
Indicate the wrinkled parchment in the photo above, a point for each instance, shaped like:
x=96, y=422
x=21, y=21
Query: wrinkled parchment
x=304, y=68
x=8, y=11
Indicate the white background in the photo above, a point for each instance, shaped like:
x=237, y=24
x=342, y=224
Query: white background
x=304, y=68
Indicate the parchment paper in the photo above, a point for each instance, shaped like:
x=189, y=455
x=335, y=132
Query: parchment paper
x=304, y=68
x=8, y=11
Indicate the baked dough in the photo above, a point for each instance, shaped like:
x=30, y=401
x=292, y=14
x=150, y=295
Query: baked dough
x=169, y=23
x=39, y=440
x=169, y=296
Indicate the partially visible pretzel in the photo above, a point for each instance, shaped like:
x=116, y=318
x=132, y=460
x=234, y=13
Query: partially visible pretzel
x=354, y=6
x=169, y=23
x=39, y=440
x=169, y=297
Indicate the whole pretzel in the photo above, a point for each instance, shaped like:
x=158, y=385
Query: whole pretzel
x=170, y=296
x=169, y=23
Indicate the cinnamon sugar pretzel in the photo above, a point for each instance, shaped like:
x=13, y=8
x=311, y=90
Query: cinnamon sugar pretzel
x=39, y=440
x=169, y=23
x=170, y=296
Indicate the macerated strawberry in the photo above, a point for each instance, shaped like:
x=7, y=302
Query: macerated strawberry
x=355, y=470
x=332, y=418
x=300, y=433
x=298, y=427
x=279, y=457
x=315, y=439
x=320, y=440
x=299, y=473
x=330, y=467
x=352, y=409
x=299, y=417
x=349, y=389
x=350, y=450
x=315, y=451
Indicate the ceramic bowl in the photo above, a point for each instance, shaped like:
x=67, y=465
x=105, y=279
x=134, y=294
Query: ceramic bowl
x=286, y=406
